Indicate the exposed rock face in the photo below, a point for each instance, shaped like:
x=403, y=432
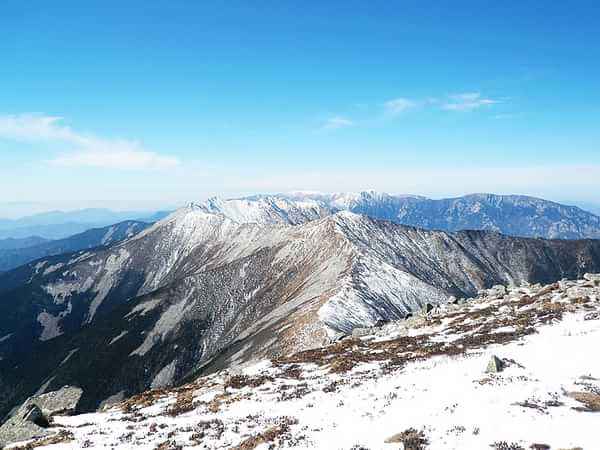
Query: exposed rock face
x=64, y=401
x=25, y=424
x=198, y=292
x=32, y=418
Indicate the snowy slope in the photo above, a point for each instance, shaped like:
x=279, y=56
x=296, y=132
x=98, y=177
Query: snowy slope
x=199, y=291
x=424, y=379
x=509, y=214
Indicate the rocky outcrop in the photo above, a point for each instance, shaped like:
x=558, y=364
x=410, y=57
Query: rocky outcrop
x=33, y=418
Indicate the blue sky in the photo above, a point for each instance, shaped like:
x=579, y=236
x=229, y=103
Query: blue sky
x=153, y=103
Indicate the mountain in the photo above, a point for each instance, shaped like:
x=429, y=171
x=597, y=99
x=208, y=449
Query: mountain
x=267, y=209
x=198, y=291
x=504, y=371
x=590, y=206
x=62, y=224
x=14, y=257
x=11, y=243
x=513, y=215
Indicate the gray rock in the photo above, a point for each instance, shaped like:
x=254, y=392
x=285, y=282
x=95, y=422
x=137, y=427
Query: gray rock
x=593, y=277
x=27, y=423
x=32, y=418
x=335, y=338
x=64, y=401
x=498, y=290
x=360, y=332
x=576, y=292
x=427, y=308
x=505, y=309
x=495, y=365
x=415, y=322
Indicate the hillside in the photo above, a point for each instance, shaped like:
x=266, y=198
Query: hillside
x=510, y=369
x=198, y=288
x=11, y=258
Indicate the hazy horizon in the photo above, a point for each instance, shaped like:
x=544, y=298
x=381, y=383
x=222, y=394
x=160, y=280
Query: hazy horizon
x=166, y=102
x=18, y=210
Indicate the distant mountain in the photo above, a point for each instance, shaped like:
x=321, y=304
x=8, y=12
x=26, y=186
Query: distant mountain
x=589, y=206
x=198, y=288
x=508, y=214
x=11, y=243
x=60, y=224
x=16, y=256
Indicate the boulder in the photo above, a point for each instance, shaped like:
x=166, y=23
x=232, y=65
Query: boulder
x=63, y=402
x=498, y=290
x=415, y=322
x=593, y=277
x=361, y=332
x=27, y=423
x=495, y=365
x=505, y=309
x=576, y=292
x=32, y=419
x=336, y=337
x=427, y=308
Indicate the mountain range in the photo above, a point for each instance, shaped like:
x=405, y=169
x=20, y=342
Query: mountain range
x=513, y=215
x=16, y=252
x=228, y=281
x=62, y=224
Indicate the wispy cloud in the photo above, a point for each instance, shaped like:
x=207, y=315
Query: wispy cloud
x=399, y=105
x=86, y=150
x=337, y=122
x=467, y=102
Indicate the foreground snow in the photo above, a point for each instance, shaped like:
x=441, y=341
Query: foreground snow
x=348, y=396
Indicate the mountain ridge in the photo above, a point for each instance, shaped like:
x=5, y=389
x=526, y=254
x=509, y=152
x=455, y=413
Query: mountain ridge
x=198, y=289
x=515, y=215
x=11, y=258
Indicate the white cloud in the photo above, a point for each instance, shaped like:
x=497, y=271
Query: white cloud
x=337, y=122
x=34, y=127
x=86, y=150
x=467, y=102
x=399, y=105
x=115, y=159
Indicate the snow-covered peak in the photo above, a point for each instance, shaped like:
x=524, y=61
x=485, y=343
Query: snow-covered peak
x=509, y=214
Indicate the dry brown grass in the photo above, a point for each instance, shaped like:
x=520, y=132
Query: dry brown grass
x=61, y=437
x=270, y=435
x=411, y=438
x=590, y=400
x=184, y=403
x=240, y=381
